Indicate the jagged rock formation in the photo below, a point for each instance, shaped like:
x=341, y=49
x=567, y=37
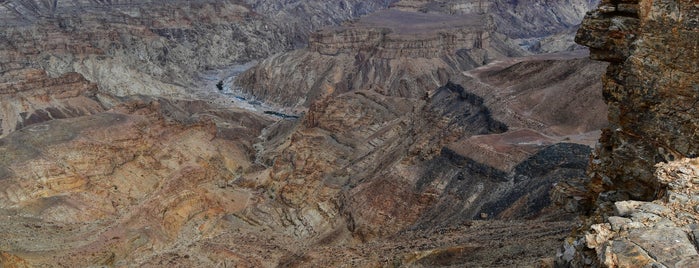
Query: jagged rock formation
x=651, y=88
x=662, y=233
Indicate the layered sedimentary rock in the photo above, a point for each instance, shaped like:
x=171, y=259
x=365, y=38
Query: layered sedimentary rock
x=651, y=88
x=393, y=34
x=385, y=148
x=125, y=186
x=30, y=96
x=397, y=53
x=537, y=26
x=409, y=47
x=151, y=47
x=388, y=156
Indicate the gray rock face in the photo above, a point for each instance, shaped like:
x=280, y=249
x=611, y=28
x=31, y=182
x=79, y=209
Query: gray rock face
x=174, y=40
x=646, y=153
x=156, y=48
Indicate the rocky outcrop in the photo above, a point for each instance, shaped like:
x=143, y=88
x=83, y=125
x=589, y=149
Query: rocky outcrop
x=650, y=87
x=393, y=34
x=30, y=97
x=393, y=52
x=642, y=233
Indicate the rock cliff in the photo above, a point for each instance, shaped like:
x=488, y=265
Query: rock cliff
x=537, y=26
x=400, y=146
x=156, y=48
x=29, y=96
x=394, y=52
x=651, y=88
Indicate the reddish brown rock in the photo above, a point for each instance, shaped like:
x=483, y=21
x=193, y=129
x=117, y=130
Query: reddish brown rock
x=29, y=97
x=651, y=88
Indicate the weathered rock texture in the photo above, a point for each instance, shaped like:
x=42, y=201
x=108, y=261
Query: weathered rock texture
x=651, y=87
x=128, y=186
x=661, y=233
x=393, y=52
x=389, y=156
x=410, y=47
x=29, y=96
x=537, y=26
x=153, y=47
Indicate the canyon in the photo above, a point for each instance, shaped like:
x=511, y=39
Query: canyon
x=346, y=133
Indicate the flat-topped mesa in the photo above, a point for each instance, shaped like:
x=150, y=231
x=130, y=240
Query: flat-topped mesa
x=392, y=34
x=445, y=6
x=22, y=11
x=469, y=6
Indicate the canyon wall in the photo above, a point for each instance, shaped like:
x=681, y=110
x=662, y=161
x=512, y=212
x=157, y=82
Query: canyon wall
x=380, y=115
x=394, y=52
x=412, y=46
x=651, y=88
x=156, y=48
x=396, y=149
